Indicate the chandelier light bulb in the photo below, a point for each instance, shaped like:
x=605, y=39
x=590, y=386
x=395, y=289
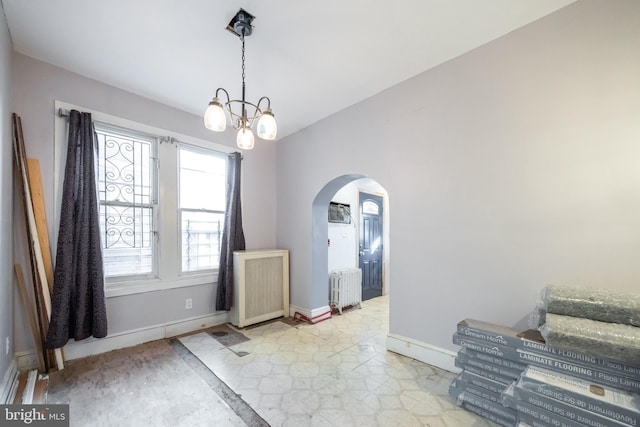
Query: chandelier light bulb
x=245, y=139
x=214, y=117
x=267, y=127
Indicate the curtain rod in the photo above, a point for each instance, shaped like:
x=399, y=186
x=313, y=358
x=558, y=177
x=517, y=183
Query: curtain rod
x=167, y=139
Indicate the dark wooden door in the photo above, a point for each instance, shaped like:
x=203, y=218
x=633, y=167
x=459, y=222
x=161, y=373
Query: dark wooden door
x=370, y=255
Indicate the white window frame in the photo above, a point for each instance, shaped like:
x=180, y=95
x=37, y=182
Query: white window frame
x=168, y=273
x=155, y=141
x=198, y=149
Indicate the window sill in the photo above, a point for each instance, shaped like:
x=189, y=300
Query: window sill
x=131, y=287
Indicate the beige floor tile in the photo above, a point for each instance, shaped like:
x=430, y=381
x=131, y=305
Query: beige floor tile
x=337, y=373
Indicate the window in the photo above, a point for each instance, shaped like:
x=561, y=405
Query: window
x=201, y=206
x=162, y=203
x=370, y=207
x=127, y=193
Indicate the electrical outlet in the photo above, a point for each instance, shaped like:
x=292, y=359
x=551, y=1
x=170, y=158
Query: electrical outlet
x=189, y=304
x=7, y=345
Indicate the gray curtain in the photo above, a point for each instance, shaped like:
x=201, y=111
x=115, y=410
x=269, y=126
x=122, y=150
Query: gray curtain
x=232, y=234
x=78, y=308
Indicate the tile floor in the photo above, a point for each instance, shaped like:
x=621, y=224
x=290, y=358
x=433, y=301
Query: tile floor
x=334, y=373
x=283, y=373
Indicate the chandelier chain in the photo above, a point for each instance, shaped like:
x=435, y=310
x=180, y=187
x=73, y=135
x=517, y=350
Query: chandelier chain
x=243, y=70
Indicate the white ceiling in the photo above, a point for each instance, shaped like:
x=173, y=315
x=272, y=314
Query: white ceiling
x=311, y=59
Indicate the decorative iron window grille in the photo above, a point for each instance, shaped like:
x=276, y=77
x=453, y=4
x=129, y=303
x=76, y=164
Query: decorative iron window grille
x=127, y=191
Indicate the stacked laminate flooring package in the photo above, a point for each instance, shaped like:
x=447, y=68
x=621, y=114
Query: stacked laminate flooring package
x=578, y=366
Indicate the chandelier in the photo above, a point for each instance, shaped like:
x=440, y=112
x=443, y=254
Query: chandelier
x=215, y=117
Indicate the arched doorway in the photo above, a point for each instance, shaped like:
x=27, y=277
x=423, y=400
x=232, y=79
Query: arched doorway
x=319, y=225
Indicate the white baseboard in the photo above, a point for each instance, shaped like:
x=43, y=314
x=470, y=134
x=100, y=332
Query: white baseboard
x=91, y=346
x=315, y=315
x=293, y=309
x=320, y=314
x=427, y=353
x=195, y=323
x=9, y=384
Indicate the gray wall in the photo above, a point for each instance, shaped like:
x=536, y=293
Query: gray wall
x=6, y=195
x=37, y=85
x=508, y=168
